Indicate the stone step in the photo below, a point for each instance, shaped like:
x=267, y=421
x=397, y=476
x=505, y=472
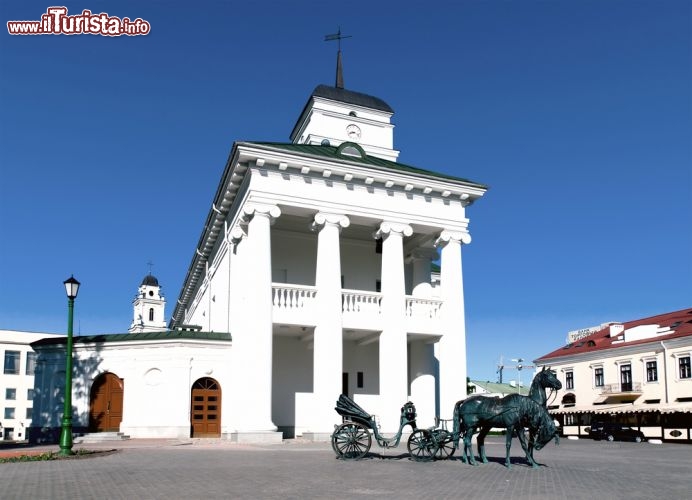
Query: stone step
x=99, y=437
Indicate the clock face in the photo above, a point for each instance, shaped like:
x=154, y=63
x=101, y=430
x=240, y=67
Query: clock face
x=353, y=132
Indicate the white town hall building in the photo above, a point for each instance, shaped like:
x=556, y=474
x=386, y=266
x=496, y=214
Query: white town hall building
x=312, y=277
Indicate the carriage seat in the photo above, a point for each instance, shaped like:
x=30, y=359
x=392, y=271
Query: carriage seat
x=348, y=409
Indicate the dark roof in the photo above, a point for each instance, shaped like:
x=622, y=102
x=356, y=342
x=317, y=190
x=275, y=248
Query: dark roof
x=150, y=280
x=351, y=97
x=679, y=322
x=132, y=337
x=372, y=161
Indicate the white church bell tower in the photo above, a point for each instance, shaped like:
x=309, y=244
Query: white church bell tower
x=149, y=307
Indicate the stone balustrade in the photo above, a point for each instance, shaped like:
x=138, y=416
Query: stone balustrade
x=295, y=304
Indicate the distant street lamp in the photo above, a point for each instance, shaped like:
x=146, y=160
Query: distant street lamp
x=71, y=287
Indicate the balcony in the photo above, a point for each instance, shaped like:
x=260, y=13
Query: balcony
x=621, y=392
x=423, y=315
x=296, y=305
x=293, y=304
x=622, y=388
x=361, y=310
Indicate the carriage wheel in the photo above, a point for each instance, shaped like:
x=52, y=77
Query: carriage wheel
x=422, y=445
x=351, y=441
x=445, y=443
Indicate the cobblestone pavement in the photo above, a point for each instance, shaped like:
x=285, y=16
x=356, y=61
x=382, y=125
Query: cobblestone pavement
x=169, y=469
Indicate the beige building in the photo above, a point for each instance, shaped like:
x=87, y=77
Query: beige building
x=636, y=373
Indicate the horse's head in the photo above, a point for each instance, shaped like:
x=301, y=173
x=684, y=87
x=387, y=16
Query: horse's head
x=548, y=379
x=546, y=431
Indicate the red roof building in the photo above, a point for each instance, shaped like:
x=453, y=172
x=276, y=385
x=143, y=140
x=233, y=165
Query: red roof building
x=636, y=372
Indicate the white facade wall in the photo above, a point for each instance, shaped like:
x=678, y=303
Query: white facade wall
x=19, y=384
x=157, y=376
x=294, y=256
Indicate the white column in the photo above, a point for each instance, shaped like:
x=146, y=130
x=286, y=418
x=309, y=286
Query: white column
x=251, y=321
x=393, y=349
x=422, y=372
x=328, y=339
x=421, y=259
x=452, y=346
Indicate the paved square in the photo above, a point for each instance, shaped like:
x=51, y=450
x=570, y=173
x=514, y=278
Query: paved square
x=296, y=470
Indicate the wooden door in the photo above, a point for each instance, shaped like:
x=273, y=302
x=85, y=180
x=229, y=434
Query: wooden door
x=106, y=403
x=206, y=408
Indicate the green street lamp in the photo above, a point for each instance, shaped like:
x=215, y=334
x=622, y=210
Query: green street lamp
x=71, y=287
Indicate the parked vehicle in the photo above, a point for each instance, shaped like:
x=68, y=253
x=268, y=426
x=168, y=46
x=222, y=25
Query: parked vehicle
x=613, y=432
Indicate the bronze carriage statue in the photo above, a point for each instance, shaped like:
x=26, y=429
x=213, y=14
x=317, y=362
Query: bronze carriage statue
x=352, y=439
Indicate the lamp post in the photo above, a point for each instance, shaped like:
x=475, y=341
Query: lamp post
x=71, y=287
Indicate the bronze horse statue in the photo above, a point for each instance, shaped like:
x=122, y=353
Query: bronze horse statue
x=514, y=413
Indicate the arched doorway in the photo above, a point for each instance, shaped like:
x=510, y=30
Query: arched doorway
x=106, y=403
x=205, y=414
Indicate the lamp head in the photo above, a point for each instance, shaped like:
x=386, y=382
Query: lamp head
x=71, y=287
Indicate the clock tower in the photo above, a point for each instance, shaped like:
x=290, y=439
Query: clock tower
x=334, y=115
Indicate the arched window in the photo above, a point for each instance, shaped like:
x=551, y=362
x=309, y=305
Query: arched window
x=569, y=399
x=151, y=314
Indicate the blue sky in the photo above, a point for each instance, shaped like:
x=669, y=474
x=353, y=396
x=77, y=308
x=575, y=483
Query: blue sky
x=578, y=115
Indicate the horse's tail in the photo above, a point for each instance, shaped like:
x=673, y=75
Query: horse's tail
x=456, y=423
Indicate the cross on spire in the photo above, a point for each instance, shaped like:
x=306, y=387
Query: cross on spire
x=339, y=70
x=150, y=264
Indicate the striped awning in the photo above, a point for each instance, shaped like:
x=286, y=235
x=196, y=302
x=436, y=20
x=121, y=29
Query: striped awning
x=624, y=408
x=582, y=409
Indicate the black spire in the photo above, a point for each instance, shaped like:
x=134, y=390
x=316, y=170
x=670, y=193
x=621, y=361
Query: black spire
x=339, y=68
x=339, y=72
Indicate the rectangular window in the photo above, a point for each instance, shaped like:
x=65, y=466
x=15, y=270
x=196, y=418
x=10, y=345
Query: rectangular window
x=30, y=394
x=30, y=363
x=598, y=376
x=12, y=362
x=569, y=380
x=29, y=413
x=10, y=393
x=359, y=380
x=9, y=412
x=685, y=369
x=626, y=378
x=378, y=285
x=651, y=371
x=378, y=245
